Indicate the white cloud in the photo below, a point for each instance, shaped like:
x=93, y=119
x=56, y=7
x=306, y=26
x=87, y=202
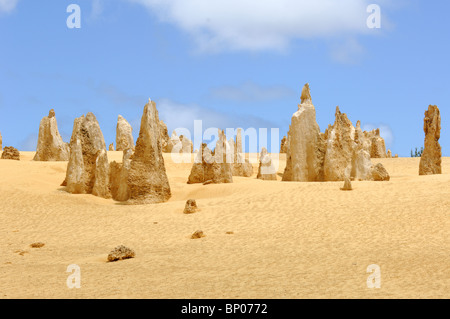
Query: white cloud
x=8, y=5
x=227, y=25
x=250, y=91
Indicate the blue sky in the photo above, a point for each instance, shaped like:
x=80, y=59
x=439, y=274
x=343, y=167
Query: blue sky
x=230, y=63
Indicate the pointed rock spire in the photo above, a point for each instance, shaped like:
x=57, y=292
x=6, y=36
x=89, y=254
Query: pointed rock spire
x=430, y=161
x=147, y=179
x=124, y=135
x=50, y=145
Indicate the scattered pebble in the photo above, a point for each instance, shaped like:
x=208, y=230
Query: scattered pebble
x=198, y=234
x=120, y=253
x=37, y=245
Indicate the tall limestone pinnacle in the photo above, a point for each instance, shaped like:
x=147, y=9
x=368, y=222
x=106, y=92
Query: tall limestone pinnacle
x=147, y=178
x=340, y=144
x=305, y=155
x=88, y=169
x=430, y=161
x=50, y=145
x=124, y=135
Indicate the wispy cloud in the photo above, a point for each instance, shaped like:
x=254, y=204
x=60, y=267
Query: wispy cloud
x=251, y=92
x=8, y=5
x=181, y=115
x=385, y=132
x=178, y=115
x=97, y=9
x=230, y=25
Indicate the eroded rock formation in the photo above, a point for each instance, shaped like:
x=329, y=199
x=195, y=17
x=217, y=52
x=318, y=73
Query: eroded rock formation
x=147, y=178
x=50, y=145
x=347, y=184
x=430, y=161
x=377, y=146
x=179, y=144
x=11, y=153
x=190, y=207
x=120, y=253
x=124, y=135
x=212, y=167
x=118, y=177
x=266, y=170
x=283, y=147
x=304, y=160
x=87, y=170
x=164, y=136
x=380, y=174
x=340, y=144
x=330, y=156
x=241, y=166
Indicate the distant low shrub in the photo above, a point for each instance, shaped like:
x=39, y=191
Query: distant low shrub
x=417, y=153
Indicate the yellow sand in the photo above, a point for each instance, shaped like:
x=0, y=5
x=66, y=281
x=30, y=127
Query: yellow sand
x=291, y=240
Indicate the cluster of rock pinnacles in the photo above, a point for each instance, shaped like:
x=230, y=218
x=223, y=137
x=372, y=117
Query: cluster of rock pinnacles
x=341, y=153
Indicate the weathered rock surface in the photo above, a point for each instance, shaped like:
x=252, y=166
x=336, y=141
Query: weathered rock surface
x=190, y=207
x=101, y=185
x=124, y=135
x=187, y=147
x=340, y=143
x=164, y=136
x=147, y=178
x=389, y=154
x=266, y=170
x=118, y=177
x=361, y=165
x=240, y=165
x=283, y=147
x=347, y=184
x=198, y=234
x=1, y=141
x=304, y=160
x=379, y=173
x=430, y=161
x=87, y=170
x=179, y=144
x=330, y=156
x=120, y=253
x=377, y=146
x=10, y=153
x=212, y=167
x=50, y=145
x=111, y=147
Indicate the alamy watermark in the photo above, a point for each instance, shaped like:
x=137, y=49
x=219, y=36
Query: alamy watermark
x=374, y=19
x=74, y=279
x=74, y=19
x=374, y=279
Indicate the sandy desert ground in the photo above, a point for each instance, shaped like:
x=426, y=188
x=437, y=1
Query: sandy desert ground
x=291, y=240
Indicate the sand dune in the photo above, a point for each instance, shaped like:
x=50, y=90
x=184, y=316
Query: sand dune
x=290, y=240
